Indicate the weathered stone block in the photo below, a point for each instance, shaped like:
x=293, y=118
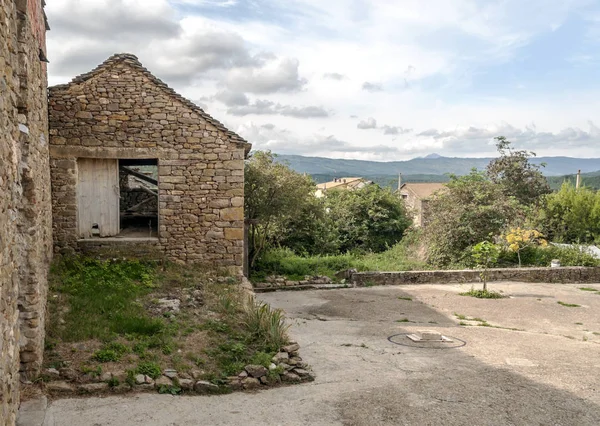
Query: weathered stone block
x=234, y=234
x=233, y=213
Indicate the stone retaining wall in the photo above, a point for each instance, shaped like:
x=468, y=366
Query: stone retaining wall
x=280, y=282
x=545, y=275
x=25, y=231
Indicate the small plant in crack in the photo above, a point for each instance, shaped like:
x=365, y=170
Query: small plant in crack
x=568, y=305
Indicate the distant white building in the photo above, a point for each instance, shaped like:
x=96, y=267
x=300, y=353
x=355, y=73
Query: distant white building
x=343, y=183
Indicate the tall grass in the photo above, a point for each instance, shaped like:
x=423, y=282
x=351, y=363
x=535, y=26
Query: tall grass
x=283, y=261
x=266, y=325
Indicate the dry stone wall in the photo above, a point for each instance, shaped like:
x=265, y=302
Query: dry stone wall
x=573, y=274
x=120, y=110
x=25, y=230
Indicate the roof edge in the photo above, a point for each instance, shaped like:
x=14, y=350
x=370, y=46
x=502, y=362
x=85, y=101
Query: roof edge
x=133, y=61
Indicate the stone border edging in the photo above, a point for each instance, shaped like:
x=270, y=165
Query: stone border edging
x=565, y=275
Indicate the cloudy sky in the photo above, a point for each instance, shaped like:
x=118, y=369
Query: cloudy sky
x=377, y=80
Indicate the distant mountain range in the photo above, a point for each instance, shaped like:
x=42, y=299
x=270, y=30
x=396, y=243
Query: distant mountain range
x=432, y=164
x=434, y=168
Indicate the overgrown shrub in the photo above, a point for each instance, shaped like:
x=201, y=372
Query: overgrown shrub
x=571, y=215
x=471, y=210
x=543, y=256
x=370, y=219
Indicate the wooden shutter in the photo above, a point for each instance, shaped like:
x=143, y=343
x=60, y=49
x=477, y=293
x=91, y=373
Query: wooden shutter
x=98, y=197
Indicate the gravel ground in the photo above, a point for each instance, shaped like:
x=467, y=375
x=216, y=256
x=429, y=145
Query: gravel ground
x=547, y=372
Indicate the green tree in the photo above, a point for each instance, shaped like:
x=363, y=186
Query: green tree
x=471, y=210
x=516, y=175
x=367, y=219
x=485, y=254
x=274, y=195
x=571, y=215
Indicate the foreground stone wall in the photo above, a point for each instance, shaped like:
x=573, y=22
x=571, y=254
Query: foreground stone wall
x=545, y=275
x=120, y=110
x=25, y=230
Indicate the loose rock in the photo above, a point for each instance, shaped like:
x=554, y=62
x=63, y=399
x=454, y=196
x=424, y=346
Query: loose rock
x=292, y=347
x=171, y=374
x=59, y=387
x=186, y=384
x=280, y=356
x=163, y=381
x=202, y=386
x=53, y=373
x=288, y=376
x=250, y=383
x=256, y=371
x=93, y=387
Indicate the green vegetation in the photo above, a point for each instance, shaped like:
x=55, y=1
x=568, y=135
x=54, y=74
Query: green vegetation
x=284, y=213
x=149, y=369
x=542, y=256
x=405, y=298
x=111, y=352
x=483, y=294
x=571, y=215
x=283, y=261
x=568, y=305
x=502, y=216
x=108, y=312
x=485, y=254
x=587, y=289
x=94, y=288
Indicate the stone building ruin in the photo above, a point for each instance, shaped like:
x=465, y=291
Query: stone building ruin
x=136, y=165
x=25, y=211
x=115, y=159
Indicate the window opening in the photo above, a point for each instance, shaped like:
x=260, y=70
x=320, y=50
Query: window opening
x=138, y=189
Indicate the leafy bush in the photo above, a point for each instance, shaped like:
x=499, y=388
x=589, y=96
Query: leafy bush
x=571, y=215
x=149, y=369
x=400, y=257
x=543, y=256
x=471, y=210
x=370, y=219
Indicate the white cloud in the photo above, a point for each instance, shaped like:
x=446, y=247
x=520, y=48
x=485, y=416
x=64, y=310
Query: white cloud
x=369, y=123
x=411, y=64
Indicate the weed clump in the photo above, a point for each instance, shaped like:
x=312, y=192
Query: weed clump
x=483, y=294
x=149, y=369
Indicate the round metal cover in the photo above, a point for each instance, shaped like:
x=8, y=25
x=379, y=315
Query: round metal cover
x=404, y=340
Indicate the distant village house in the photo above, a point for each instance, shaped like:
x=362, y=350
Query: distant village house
x=343, y=183
x=416, y=197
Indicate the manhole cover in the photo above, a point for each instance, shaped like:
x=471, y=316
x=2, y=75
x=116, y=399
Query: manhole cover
x=408, y=339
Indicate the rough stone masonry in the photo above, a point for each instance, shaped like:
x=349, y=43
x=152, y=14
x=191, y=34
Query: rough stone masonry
x=25, y=212
x=121, y=111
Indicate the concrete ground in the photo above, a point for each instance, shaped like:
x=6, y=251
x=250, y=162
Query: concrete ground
x=546, y=374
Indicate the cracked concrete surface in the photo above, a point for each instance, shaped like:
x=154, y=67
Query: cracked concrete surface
x=546, y=374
